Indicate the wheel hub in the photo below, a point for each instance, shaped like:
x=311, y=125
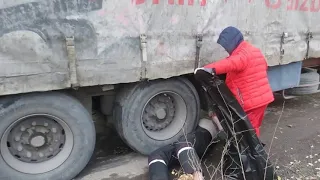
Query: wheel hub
x=159, y=112
x=36, y=143
x=36, y=140
x=163, y=115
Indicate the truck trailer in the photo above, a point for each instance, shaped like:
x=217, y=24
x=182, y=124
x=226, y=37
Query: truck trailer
x=131, y=62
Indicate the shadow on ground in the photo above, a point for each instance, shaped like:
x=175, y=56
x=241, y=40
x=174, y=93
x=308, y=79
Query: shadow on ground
x=109, y=146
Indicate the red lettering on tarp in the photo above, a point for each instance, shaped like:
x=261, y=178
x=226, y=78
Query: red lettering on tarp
x=303, y=6
x=313, y=7
x=292, y=5
x=171, y=2
x=203, y=2
x=137, y=2
x=273, y=6
x=250, y=1
x=181, y=2
x=297, y=5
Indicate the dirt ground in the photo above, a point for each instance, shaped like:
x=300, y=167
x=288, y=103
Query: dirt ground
x=291, y=130
x=295, y=145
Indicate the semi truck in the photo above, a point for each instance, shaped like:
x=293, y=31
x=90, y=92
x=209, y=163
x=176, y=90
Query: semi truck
x=132, y=61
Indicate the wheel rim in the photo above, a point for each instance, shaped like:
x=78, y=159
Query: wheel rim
x=36, y=143
x=164, y=115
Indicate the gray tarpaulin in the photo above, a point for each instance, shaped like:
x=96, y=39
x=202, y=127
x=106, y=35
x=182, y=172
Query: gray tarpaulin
x=33, y=55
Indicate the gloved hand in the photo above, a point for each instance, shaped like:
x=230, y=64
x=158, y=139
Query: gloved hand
x=208, y=70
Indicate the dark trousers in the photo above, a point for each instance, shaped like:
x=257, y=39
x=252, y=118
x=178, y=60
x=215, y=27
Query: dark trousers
x=186, y=150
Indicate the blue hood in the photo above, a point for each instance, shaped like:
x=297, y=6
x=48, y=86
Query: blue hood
x=230, y=38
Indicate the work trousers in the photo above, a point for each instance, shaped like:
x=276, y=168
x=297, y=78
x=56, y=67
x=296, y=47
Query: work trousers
x=256, y=117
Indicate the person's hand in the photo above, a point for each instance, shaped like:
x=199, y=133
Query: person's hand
x=208, y=70
x=198, y=176
x=211, y=114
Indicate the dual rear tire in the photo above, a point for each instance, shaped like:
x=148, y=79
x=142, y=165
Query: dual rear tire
x=156, y=113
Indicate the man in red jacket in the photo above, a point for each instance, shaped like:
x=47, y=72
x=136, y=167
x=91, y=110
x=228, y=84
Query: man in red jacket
x=246, y=70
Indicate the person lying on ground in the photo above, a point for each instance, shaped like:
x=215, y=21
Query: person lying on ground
x=186, y=150
x=246, y=70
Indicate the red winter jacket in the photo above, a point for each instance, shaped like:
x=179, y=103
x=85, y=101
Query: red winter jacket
x=246, y=70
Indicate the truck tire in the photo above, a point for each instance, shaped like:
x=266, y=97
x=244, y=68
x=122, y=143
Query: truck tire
x=44, y=136
x=156, y=113
x=308, y=76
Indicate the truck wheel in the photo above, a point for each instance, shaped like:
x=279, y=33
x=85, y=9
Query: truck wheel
x=153, y=114
x=44, y=136
x=308, y=76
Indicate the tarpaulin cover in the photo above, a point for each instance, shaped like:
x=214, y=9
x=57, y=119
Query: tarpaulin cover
x=108, y=47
